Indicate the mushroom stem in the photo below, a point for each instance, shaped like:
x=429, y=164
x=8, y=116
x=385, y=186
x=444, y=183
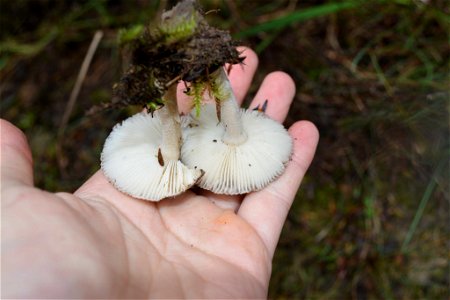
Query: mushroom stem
x=229, y=110
x=171, y=130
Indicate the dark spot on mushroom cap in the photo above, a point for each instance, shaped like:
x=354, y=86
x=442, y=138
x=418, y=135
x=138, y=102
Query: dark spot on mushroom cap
x=215, y=141
x=195, y=167
x=160, y=158
x=249, y=165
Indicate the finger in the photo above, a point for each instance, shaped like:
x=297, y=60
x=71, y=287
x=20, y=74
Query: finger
x=267, y=209
x=16, y=162
x=278, y=89
x=240, y=77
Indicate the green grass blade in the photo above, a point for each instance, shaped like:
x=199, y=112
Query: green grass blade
x=28, y=49
x=423, y=203
x=380, y=74
x=297, y=16
x=267, y=41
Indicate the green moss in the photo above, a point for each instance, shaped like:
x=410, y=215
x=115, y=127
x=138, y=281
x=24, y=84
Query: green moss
x=125, y=36
x=196, y=91
x=181, y=30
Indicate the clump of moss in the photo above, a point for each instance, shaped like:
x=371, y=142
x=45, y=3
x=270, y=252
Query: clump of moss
x=181, y=46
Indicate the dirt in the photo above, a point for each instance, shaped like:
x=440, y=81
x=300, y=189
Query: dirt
x=180, y=46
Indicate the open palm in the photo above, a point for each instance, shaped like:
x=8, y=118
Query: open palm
x=99, y=242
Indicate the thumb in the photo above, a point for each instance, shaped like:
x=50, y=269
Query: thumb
x=16, y=163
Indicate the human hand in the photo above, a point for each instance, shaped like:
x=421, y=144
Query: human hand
x=98, y=242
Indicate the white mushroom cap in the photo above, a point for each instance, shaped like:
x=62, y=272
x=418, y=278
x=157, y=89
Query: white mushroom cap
x=236, y=169
x=130, y=161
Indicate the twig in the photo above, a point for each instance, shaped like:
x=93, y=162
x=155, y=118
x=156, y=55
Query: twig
x=80, y=79
x=75, y=92
x=173, y=81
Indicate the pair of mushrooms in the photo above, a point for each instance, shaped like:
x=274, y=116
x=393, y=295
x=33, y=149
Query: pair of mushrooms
x=153, y=157
x=226, y=150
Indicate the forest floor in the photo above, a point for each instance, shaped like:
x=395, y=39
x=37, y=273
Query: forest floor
x=371, y=218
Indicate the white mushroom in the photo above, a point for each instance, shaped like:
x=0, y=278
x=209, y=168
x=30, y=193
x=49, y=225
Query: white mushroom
x=243, y=152
x=141, y=155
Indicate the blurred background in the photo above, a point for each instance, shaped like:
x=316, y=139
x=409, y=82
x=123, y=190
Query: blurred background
x=371, y=219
